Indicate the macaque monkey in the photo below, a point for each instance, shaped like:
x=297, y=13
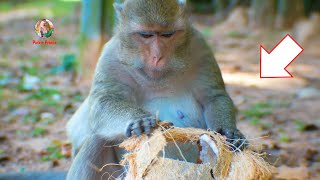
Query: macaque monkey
x=155, y=62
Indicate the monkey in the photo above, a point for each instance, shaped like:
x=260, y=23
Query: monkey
x=156, y=66
x=156, y=62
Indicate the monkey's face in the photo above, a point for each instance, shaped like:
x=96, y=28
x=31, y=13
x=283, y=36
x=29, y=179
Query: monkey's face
x=152, y=33
x=156, y=47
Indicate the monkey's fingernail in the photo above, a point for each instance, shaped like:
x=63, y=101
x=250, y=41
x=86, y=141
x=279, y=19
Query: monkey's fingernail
x=128, y=133
x=153, y=123
x=180, y=114
x=137, y=131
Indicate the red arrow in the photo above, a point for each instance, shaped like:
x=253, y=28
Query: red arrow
x=273, y=64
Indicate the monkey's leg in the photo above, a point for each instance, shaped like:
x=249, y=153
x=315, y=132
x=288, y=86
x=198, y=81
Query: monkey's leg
x=93, y=155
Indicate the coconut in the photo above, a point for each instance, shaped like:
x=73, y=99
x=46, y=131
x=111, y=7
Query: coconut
x=144, y=161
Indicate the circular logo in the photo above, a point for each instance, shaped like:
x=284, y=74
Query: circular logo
x=44, y=28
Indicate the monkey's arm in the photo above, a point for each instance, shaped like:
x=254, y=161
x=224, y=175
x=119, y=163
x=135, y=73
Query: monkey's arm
x=218, y=107
x=114, y=112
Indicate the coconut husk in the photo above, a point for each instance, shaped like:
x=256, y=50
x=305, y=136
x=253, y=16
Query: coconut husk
x=144, y=161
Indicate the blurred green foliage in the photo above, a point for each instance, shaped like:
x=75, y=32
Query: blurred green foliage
x=285, y=138
x=57, y=8
x=214, y=6
x=202, y=6
x=53, y=153
x=256, y=112
x=38, y=131
x=69, y=63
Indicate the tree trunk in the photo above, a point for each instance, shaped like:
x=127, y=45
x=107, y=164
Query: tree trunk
x=262, y=13
x=289, y=12
x=96, y=29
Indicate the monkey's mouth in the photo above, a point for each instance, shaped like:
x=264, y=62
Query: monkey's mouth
x=154, y=74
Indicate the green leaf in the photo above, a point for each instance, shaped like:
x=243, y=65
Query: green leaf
x=44, y=93
x=38, y=131
x=258, y=113
x=263, y=105
x=236, y=34
x=285, y=138
x=300, y=126
x=2, y=151
x=69, y=63
x=268, y=125
x=54, y=153
x=255, y=121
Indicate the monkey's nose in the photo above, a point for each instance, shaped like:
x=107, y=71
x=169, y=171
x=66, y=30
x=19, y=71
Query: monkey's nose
x=156, y=59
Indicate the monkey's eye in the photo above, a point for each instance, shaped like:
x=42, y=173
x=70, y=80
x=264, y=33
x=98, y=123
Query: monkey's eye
x=145, y=34
x=168, y=34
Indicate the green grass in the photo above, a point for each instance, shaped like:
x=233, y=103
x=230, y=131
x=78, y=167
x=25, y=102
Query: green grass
x=206, y=32
x=4, y=80
x=300, y=126
x=2, y=152
x=34, y=71
x=255, y=121
x=53, y=153
x=69, y=63
x=63, y=42
x=235, y=34
x=285, y=138
x=263, y=105
x=21, y=40
x=44, y=93
x=34, y=58
x=267, y=125
x=258, y=110
x=258, y=113
x=38, y=131
x=48, y=96
x=33, y=117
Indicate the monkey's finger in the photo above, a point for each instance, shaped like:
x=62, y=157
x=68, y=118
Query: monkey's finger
x=219, y=130
x=236, y=142
x=136, y=128
x=229, y=135
x=170, y=124
x=240, y=144
x=153, y=122
x=235, y=139
x=129, y=129
x=137, y=131
x=232, y=139
x=147, y=126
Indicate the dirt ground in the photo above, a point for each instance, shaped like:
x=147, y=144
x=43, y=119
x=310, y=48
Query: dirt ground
x=279, y=116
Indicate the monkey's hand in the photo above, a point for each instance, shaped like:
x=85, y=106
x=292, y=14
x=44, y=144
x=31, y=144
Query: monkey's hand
x=142, y=124
x=234, y=136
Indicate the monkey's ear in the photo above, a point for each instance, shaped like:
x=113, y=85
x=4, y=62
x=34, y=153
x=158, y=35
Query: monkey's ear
x=182, y=3
x=118, y=8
